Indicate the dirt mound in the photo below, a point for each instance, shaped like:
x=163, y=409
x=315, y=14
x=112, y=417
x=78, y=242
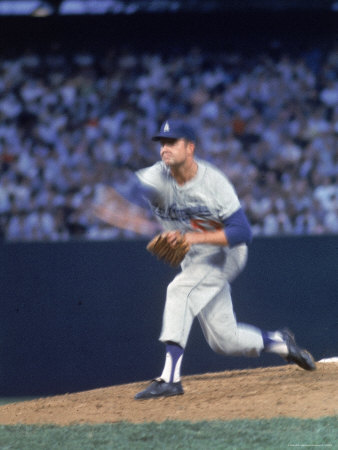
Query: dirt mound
x=239, y=394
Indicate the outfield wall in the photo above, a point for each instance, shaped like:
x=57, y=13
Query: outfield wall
x=82, y=315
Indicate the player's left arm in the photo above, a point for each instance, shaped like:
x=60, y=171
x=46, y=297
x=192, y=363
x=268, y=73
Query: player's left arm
x=236, y=231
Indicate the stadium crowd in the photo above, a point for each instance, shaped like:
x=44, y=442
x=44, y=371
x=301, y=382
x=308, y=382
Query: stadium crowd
x=72, y=124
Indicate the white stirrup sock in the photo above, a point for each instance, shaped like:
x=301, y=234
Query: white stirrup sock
x=172, y=367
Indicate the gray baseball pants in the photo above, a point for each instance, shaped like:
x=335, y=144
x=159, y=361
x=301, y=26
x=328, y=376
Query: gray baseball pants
x=202, y=290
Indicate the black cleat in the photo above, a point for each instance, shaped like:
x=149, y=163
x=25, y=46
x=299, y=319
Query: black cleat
x=159, y=388
x=301, y=357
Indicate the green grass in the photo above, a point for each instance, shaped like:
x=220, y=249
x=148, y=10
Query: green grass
x=281, y=433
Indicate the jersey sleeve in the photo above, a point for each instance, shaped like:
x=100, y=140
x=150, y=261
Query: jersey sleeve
x=225, y=197
x=230, y=213
x=151, y=177
x=151, y=182
x=237, y=229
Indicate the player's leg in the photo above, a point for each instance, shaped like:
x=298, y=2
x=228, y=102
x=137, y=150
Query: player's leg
x=223, y=333
x=198, y=284
x=193, y=288
x=217, y=317
x=283, y=343
x=186, y=295
x=169, y=383
x=226, y=336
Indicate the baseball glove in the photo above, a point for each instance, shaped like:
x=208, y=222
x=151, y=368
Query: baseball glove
x=172, y=254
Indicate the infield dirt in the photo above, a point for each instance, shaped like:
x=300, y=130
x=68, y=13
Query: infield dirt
x=283, y=391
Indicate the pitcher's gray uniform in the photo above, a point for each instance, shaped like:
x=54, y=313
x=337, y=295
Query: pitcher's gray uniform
x=202, y=288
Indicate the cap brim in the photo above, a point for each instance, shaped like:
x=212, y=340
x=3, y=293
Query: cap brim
x=163, y=136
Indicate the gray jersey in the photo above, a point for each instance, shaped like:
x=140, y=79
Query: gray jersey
x=202, y=203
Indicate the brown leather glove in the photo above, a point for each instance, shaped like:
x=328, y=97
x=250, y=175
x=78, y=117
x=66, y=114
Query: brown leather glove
x=172, y=254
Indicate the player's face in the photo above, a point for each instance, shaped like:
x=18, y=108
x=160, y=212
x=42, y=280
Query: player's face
x=175, y=152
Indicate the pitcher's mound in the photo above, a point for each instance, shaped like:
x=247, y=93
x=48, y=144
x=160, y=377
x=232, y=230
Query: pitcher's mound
x=239, y=394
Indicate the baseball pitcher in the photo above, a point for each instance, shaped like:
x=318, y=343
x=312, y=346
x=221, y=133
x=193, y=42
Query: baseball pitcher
x=207, y=233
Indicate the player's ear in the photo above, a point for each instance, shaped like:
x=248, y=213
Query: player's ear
x=191, y=147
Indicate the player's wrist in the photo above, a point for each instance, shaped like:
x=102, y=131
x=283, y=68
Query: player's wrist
x=194, y=237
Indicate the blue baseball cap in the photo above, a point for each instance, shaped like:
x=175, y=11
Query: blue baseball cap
x=175, y=129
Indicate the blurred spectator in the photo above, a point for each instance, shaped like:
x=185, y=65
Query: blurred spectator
x=70, y=125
